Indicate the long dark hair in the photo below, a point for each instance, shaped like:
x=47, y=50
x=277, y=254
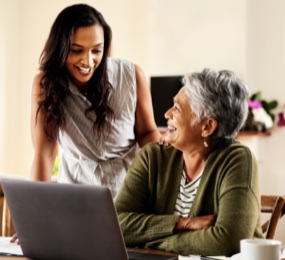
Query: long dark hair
x=54, y=81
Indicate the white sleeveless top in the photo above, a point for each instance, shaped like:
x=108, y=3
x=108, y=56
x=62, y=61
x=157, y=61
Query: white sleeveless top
x=84, y=158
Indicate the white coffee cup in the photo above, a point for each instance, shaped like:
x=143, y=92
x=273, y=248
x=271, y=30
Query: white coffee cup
x=260, y=249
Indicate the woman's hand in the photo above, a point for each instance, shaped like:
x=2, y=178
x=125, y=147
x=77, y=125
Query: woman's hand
x=162, y=141
x=14, y=239
x=196, y=223
x=201, y=222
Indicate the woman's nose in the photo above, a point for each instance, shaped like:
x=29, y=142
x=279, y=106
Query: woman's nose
x=167, y=113
x=87, y=60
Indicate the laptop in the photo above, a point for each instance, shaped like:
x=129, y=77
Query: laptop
x=67, y=221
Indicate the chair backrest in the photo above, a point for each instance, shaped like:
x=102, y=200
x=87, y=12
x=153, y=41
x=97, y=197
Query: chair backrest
x=276, y=206
x=6, y=217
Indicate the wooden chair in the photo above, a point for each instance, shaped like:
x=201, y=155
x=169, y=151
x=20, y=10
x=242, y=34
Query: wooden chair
x=6, y=218
x=276, y=206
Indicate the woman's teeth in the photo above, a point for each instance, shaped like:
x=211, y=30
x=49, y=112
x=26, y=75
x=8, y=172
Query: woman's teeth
x=85, y=70
x=172, y=128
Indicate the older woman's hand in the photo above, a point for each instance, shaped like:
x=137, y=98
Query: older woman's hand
x=196, y=223
x=201, y=222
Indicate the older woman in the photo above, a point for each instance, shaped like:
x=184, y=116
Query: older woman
x=199, y=195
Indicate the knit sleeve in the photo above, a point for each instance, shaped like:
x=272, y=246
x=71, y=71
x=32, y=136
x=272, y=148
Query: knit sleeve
x=134, y=206
x=234, y=223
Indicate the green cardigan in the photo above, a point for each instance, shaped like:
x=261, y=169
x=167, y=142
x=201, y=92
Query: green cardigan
x=229, y=189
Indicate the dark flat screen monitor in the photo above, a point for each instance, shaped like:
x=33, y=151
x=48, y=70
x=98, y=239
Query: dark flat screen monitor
x=163, y=90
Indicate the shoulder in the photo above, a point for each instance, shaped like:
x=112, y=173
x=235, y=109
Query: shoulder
x=36, y=84
x=123, y=64
x=241, y=152
x=156, y=152
x=235, y=165
x=235, y=150
x=121, y=74
x=235, y=159
x=120, y=64
x=38, y=77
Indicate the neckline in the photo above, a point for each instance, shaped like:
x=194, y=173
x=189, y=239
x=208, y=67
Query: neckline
x=187, y=181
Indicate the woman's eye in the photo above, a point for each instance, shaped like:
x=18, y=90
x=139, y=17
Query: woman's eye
x=97, y=51
x=175, y=107
x=75, y=51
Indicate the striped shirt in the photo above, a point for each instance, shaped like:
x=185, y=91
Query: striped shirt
x=186, y=195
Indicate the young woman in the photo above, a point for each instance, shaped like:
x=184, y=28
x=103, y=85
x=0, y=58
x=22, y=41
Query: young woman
x=98, y=108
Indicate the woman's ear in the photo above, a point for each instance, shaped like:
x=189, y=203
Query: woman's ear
x=209, y=126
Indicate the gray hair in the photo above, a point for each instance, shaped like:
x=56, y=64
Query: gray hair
x=220, y=95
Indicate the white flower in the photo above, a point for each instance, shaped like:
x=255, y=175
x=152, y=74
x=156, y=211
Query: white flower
x=261, y=116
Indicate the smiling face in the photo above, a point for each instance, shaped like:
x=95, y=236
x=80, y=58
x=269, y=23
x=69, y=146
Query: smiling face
x=180, y=132
x=85, y=54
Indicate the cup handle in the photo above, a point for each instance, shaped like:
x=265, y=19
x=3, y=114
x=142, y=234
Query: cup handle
x=282, y=248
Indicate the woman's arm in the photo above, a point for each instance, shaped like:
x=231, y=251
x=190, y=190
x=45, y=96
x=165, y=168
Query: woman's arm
x=135, y=205
x=235, y=221
x=145, y=128
x=139, y=207
x=237, y=209
x=195, y=223
x=44, y=149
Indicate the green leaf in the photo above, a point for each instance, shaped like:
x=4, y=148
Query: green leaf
x=256, y=96
x=272, y=104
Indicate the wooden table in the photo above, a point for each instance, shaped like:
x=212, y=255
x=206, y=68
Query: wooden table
x=14, y=258
x=151, y=251
x=145, y=250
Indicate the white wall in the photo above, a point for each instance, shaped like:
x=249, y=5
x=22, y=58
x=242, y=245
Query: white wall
x=190, y=34
x=266, y=47
x=9, y=85
x=266, y=72
x=164, y=37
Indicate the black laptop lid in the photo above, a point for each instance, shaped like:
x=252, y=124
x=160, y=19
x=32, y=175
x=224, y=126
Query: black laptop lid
x=64, y=221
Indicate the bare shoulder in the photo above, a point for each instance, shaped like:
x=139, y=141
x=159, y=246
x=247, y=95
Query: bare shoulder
x=142, y=84
x=139, y=71
x=38, y=78
x=36, y=83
